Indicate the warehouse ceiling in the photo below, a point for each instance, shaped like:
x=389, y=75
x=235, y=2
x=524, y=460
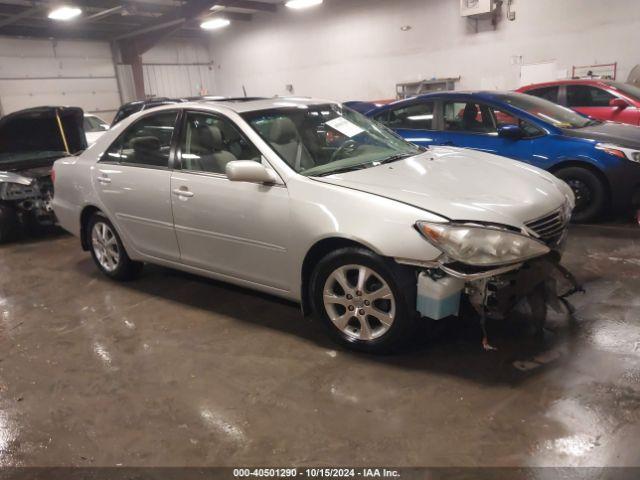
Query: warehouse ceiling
x=114, y=20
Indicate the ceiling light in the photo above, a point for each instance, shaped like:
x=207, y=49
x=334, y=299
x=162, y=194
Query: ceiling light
x=215, y=23
x=298, y=4
x=64, y=12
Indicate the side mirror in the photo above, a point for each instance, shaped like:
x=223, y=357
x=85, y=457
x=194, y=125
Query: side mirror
x=618, y=103
x=249, y=171
x=513, y=132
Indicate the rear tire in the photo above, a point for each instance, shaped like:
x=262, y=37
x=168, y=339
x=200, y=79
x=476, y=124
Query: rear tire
x=107, y=250
x=590, y=192
x=9, y=224
x=366, y=302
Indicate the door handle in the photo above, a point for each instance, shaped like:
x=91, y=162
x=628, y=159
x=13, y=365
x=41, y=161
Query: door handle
x=104, y=180
x=183, y=192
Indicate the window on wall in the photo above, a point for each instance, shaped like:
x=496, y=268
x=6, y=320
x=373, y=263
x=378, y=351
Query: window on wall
x=145, y=143
x=413, y=117
x=587, y=96
x=210, y=142
x=548, y=93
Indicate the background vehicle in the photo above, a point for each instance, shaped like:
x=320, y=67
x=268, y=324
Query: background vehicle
x=601, y=99
x=130, y=108
x=600, y=161
x=30, y=141
x=133, y=107
x=94, y=127
x=279, y=195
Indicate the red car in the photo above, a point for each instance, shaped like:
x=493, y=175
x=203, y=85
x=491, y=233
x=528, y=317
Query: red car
x=601, y=99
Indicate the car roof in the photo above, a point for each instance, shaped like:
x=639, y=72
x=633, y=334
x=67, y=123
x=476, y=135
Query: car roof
x=253, y=105
x=577, y=81
x=480, y=94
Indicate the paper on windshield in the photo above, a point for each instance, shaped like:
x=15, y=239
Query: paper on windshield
x=345, y=127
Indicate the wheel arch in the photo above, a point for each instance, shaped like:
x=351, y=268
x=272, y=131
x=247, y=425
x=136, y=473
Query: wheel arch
x=587, y=166
x=85, y=215
x=317, y=251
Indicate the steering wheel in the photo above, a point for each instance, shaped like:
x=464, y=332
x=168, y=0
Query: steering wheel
x=350, y=146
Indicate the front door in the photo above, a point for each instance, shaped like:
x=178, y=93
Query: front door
x=470, y=124
x=594, y=102
x=236, y=229
x=133, y=181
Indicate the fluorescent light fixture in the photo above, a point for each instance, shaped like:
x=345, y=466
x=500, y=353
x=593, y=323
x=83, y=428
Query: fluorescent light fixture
x=64, y=12
x=215, y=23
x=298, y=4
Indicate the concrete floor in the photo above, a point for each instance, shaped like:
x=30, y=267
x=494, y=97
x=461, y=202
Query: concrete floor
x=176, y=370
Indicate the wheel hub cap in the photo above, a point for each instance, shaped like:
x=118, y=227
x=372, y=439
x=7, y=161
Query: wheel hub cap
x=359, y=302
x=105, y=246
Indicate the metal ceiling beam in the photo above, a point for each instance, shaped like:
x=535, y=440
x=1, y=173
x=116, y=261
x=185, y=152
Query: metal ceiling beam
x=19, y=16
x=104, y=13
x=150, y=28
x=248, y=5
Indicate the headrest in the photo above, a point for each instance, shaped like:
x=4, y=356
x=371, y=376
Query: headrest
x=149, y=143
x=208, y=138
x=282, y=131
x=470, y=111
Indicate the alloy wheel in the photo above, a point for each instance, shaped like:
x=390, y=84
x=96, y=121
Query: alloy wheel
x=359, y=302
x=105, y=246
x=582, y=193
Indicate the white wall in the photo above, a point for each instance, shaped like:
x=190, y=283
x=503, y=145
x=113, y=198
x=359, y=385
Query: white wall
x=46, y=72
x=354, y=49
x=173, y=69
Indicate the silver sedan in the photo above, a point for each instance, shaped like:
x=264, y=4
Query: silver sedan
x=313, y=202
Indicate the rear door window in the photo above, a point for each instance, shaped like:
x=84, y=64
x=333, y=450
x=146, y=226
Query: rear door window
x=418, y=116
x=548, y=93
x=145, y=143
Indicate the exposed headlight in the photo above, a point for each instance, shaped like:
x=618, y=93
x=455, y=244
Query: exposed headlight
x=481, y=246
x=618, y=151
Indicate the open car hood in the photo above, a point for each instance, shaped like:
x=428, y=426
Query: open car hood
x=40, y=130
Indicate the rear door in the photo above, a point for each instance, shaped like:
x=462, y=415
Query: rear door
x=133, y=181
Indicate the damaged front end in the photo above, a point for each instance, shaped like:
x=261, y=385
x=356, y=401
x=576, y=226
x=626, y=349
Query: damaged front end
x=494, y=269
x=30, y=142
x=29, y=195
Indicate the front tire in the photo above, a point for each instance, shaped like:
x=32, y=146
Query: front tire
x=107, y=250
x=366, y=302
x=590, y=192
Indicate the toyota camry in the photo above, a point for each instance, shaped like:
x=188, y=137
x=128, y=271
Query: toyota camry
x=313, y=202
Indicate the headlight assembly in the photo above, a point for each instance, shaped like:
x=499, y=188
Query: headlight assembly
x=481, y=246
x=618, y=151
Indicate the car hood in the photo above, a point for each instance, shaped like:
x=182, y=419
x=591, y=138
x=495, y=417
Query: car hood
x=39, y=133
x=609, y=132
x=463, y=185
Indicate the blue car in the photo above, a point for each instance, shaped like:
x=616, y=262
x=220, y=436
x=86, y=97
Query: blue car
x=599, y=160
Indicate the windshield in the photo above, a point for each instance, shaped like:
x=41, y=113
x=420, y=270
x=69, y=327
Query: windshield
x=626, y=88
x=319, y=140
x=547, y=111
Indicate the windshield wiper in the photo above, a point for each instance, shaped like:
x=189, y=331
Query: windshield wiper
x=351, y=168
x=395, y=158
